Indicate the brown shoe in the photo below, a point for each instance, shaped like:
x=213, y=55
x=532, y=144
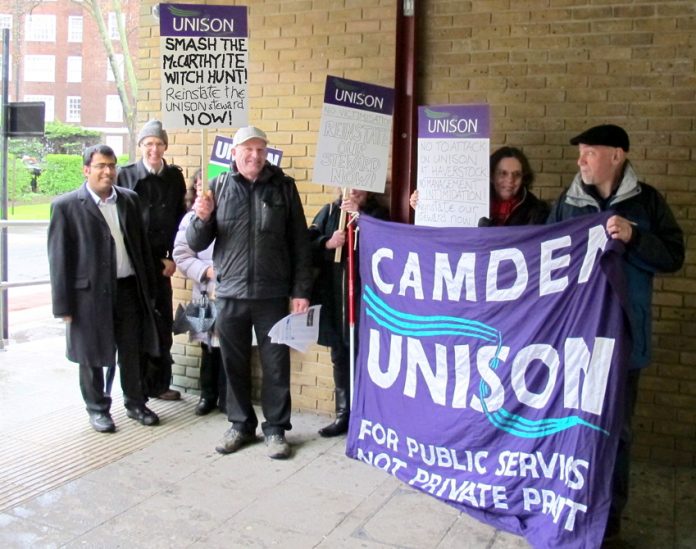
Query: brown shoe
x=169, y=394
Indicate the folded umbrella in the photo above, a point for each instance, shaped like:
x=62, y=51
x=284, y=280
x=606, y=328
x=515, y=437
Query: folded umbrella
x=197, y=316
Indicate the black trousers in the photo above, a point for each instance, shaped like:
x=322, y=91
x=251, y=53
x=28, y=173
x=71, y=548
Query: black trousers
x=621, y=475
x=213, y=378
x=158, y=370
x=234, y=323
x=128, y=324
x=340, y=358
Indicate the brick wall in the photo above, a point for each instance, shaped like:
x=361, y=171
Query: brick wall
x=549, y=69
x=293, y=46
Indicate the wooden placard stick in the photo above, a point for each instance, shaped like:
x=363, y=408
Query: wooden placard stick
x=204, y=161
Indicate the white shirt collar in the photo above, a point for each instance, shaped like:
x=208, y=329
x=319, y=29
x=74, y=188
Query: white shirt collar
x=152, y=169
x=97, y=200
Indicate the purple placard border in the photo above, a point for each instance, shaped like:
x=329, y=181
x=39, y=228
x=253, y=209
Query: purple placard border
x=212, y=14
x=454, y=121
x=359, y=95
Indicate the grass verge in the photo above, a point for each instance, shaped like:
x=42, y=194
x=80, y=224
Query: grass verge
x=22, y=212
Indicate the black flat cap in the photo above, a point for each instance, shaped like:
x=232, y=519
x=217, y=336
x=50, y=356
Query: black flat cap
x=608, y=135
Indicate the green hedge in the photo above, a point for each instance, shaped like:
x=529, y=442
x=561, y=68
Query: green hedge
x=18, y=179
x=63, y=173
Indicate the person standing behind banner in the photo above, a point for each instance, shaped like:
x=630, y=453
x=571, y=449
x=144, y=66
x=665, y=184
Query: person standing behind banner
x=654, y=243
x=161, y=188
x=262, y=257
x=101, y=279
x=331, y=291
x=512, y=203
x=199, y=268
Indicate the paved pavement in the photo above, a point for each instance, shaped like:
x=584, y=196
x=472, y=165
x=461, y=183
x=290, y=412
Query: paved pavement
x=63, y=485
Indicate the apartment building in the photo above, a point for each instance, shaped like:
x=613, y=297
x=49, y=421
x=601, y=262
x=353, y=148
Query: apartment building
x=58, y=57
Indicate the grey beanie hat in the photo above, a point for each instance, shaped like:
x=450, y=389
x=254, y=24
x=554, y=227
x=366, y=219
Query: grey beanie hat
x=153, y=128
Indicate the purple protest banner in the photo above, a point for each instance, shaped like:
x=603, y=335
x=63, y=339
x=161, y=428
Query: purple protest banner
x=491, y=368
x=204, y=61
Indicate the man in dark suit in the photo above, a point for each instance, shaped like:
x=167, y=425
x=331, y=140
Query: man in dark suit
x=162, y=189
x=101, y=281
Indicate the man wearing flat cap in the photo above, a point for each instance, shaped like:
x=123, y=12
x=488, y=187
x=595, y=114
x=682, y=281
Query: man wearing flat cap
x=654, y=243
x=162, y=189
x=262, y=257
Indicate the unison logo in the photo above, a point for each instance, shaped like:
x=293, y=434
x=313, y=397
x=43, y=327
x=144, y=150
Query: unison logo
x=190, y=20
x=408, y=339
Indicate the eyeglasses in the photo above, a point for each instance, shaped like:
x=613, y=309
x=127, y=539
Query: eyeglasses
x=103, y=166
x=505, y=173
x=150, y=145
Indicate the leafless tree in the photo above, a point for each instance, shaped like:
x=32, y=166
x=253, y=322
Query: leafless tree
x=126, y=83
x=19, y=8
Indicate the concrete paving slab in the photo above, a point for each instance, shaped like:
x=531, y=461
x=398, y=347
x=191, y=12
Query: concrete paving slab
x=407, y=520
x=171, y=489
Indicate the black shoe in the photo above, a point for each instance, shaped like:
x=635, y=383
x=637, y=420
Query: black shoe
x=102, y=422
x=143, y=415
x=204, y=406
x=337, y=428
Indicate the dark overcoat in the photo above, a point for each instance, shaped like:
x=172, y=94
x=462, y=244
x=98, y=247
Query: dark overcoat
x=162, y=201
x=330, y=286
x=82, y=264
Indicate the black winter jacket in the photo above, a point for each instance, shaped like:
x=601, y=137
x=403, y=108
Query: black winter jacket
x=657, y=245
x=260, y=231
x=162, y=203
x=530, y=211
x=330, y=288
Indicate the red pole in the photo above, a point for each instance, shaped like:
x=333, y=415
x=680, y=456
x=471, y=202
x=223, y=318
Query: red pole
x=351, y=275
x=404, y=133
x=351, y=306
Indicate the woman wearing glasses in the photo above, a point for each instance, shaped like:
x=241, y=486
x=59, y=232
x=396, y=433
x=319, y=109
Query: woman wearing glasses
x=512, y=203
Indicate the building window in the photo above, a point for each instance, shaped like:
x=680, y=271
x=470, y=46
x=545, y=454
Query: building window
x=74, y=69
x=113, y=27
x=49, y=102
x=72, y=108
x=40, y=28
x=114, y=110
x=5, y=21
x=115, y=142
x=39, y=68
x=118, y=57
x=75, y=28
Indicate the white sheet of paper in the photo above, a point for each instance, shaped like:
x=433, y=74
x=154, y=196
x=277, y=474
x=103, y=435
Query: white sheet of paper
x=297, y=330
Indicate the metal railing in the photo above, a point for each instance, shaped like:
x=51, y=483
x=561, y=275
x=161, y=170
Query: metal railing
x=5, y=284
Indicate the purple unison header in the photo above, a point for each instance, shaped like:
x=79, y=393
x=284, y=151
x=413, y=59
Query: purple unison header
x=203, y=20
x=454, y=121
x=359, y=95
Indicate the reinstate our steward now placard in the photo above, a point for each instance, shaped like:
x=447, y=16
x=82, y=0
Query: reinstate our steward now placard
x=354, y=135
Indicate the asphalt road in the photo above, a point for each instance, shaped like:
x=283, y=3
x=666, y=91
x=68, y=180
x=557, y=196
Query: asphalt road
x=29, y=311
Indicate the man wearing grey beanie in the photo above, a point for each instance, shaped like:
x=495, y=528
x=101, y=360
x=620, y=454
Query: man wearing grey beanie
x=161, y=188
